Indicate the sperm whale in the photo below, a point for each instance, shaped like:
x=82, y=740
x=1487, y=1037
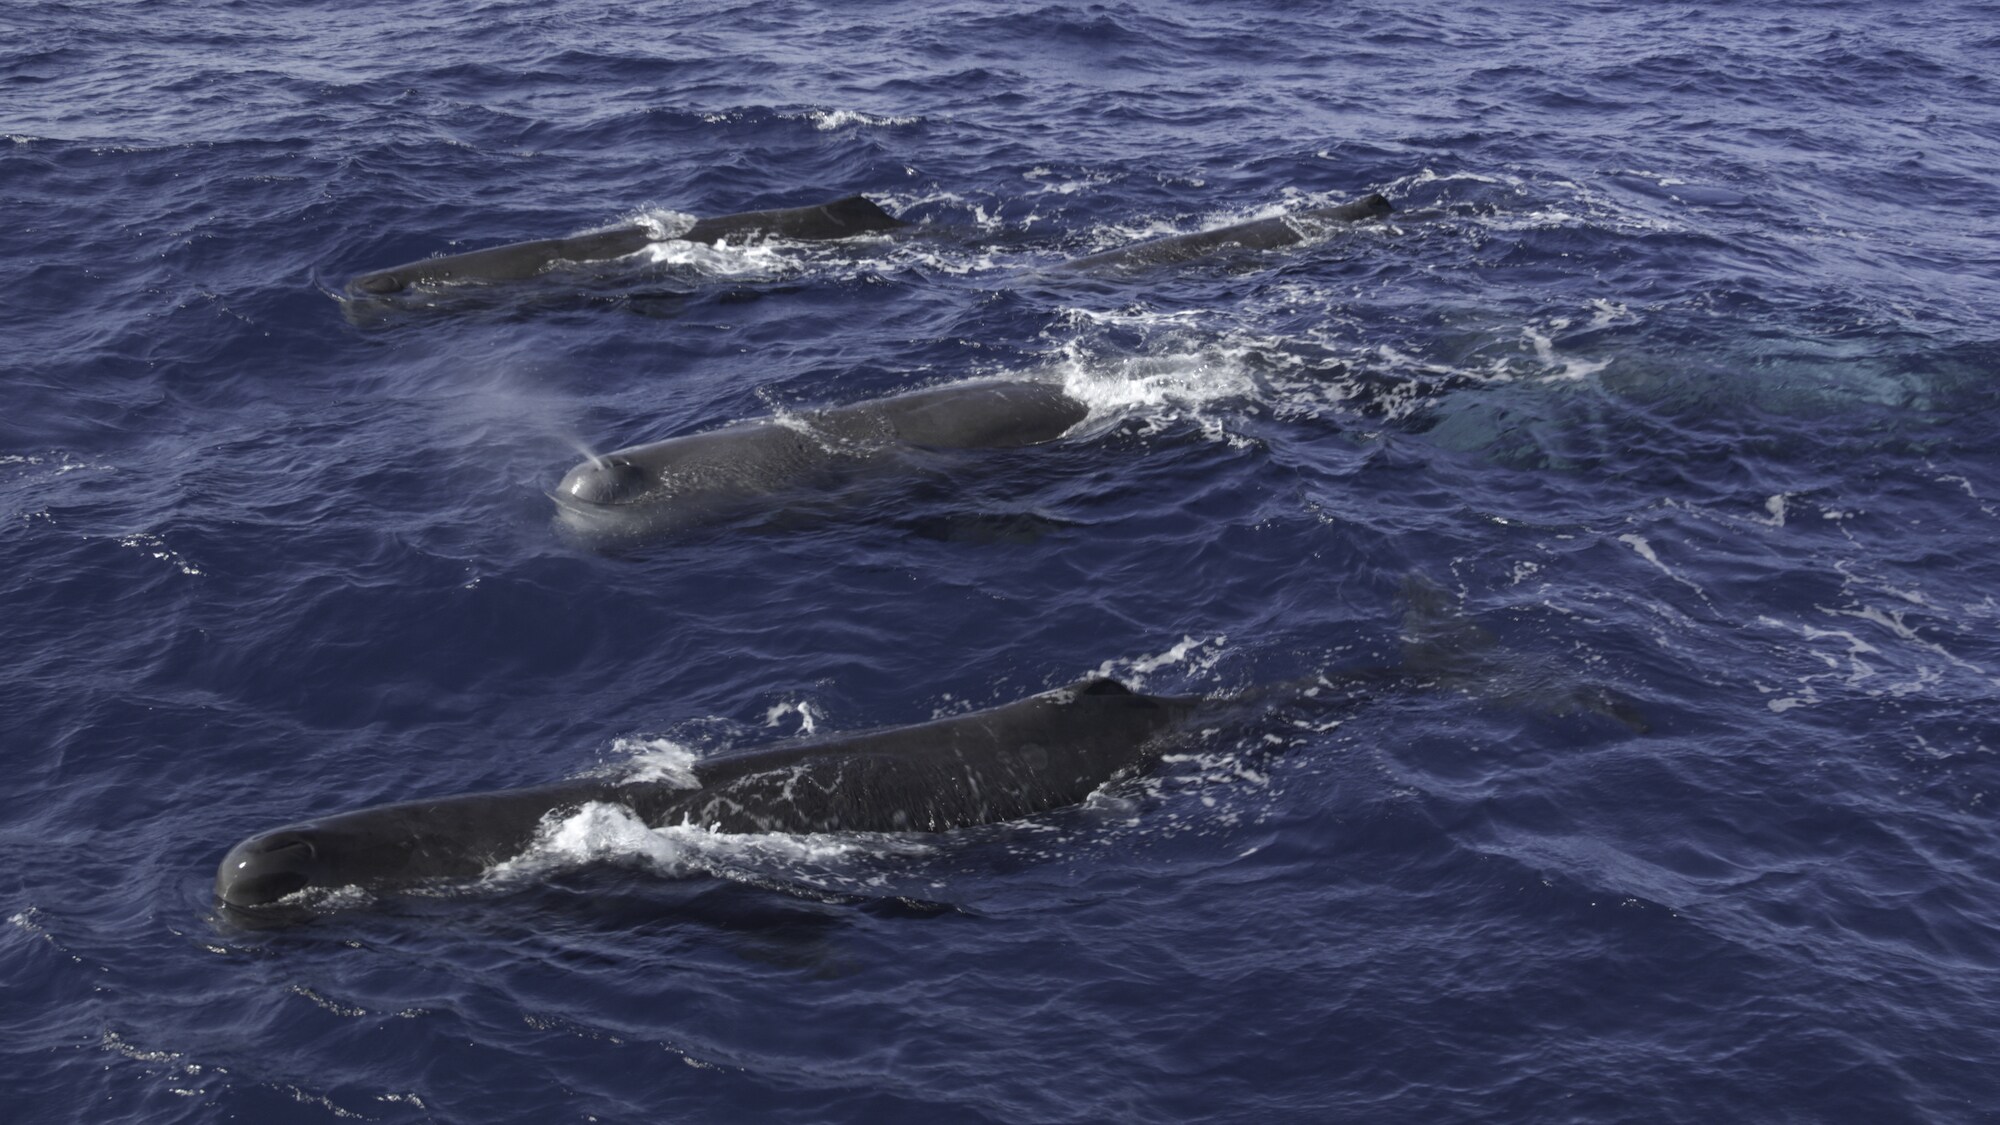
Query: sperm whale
x=1261, y=234
x=1016, y=760
x=1004, y=763
x=841, y=218
x=723, y=474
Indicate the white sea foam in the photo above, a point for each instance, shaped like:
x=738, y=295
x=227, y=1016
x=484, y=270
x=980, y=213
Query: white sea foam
x=662, y=222
x=1895, y=660
x=807, y=722
x=1047, y=182
x=1565, y=367
x=602, y=832
x=754, y=259
x=1660, y=178
x=1198, y=654
x=153, y=545
x=56, y=463
x=827, y=120
x=776, y=259
x=1605, y=313
x=596, y=832
x=952, y=255
x=1182, y=379
x=657, y=759
x=1644, y=549
x=1891, y=620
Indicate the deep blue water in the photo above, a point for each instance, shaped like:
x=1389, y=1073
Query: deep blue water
x=1675, y=371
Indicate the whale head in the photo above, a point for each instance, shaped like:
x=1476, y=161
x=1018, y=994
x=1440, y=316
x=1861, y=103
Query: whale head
x=383, y=848
x=608, y=480
x=281, y=873
x=390, y=848
x=263, y=869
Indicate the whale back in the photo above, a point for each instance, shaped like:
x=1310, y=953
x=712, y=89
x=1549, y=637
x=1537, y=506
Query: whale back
x=994, y=415
x=808, y=460
x=518, y=261
x=515, y=261
x=842, y=218
x=1259, y=234
x=1045, y=752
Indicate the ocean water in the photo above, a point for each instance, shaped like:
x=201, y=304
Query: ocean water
x=1672, y=375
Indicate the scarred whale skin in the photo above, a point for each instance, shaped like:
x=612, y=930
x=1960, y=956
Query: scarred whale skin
x=719, y=475
x=1004, y=763
x=841, y=218
x=1033, y=755
x=1261, y=234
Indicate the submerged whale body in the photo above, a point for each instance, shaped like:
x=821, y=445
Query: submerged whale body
x=1261, y=234
x=1030, y=756
x=719, y=475
x=841, y=218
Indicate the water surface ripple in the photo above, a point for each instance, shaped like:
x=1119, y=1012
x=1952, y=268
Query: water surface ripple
x=1673, y=372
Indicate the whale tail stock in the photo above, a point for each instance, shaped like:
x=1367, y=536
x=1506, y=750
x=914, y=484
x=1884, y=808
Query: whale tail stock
x=1374, y=205
x=1440, y=647
x=840, y=218
x=1255, y=235
x=1444, y=647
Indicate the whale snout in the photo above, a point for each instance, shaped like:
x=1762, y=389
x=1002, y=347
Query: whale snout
x=612, y=480
x=263, y=869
